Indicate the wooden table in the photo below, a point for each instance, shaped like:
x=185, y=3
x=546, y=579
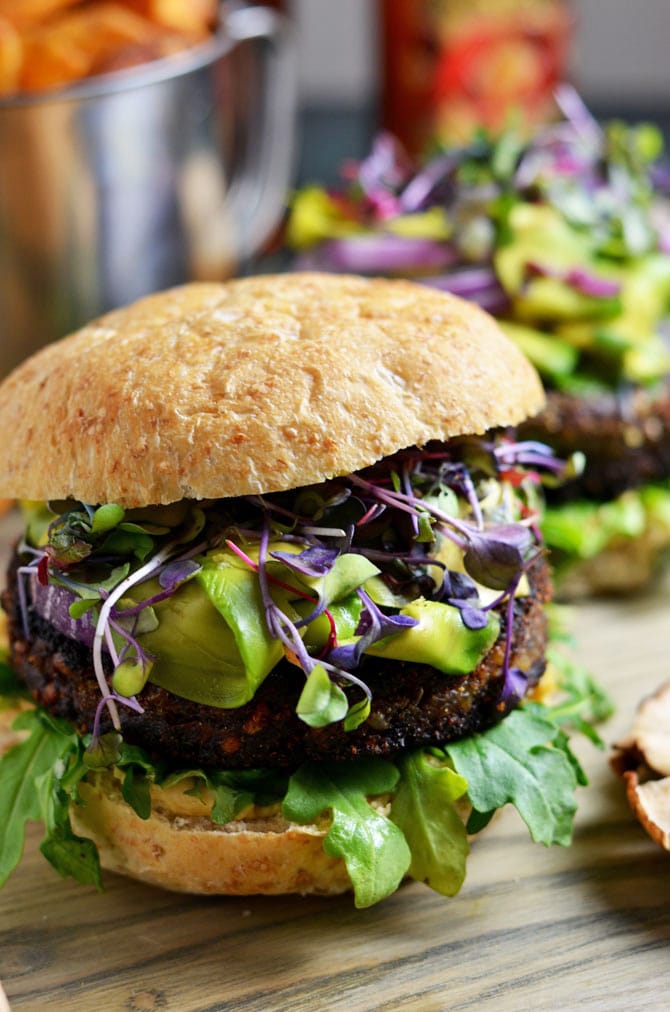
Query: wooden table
x=533, y=928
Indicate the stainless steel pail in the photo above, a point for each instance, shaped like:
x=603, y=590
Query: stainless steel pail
x=128, y=183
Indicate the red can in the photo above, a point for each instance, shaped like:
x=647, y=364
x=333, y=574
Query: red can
x=450, y=66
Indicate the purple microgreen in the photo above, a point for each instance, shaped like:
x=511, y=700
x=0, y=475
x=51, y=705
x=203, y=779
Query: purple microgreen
x=141, y=574
x=315, y=561
x=460, y=585
x=512, y=589
x=496, y=559
x=373, y=626
x=26, y=574
x=279, y=624
x=103, y=751
x=372, y=513
x=515, y=685
x=528, y=453
x=110, y=700
x=178, y=572
x=414, y=506
x=323, y=532
x=473, y=617
x=268, y=507
x=420, y=524
x=577, y=112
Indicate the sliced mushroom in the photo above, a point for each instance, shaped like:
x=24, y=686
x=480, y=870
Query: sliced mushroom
x=651, y=803
x=643, y=760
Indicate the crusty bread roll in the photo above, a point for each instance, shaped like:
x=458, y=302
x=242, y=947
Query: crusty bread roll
x=254, y=385
x=211, y=391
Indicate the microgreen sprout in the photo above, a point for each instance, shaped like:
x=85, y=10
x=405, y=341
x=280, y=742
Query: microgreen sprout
x=544, y=231
x=389, y=522
x=141, y=574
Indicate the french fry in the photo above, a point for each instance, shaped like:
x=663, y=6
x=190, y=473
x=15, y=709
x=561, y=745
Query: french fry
x=26, y=14
x=51, y=43
x=197, y=17
x=11, y=57
x=82, y=43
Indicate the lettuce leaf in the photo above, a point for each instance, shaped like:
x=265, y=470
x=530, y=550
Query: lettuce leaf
x=524, y=761
x=373, y=848
x=423, y=808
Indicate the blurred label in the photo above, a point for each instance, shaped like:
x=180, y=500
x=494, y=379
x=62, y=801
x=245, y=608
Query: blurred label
x=450, y=66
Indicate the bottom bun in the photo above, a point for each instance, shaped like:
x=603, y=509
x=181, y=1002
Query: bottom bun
x=179, y=848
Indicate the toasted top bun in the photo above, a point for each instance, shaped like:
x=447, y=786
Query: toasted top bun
x=254, y=385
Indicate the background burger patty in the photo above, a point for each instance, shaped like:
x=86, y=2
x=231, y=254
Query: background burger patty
x=413, y=704
x=625, y=437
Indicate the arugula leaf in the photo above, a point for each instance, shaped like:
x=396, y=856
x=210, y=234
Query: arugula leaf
x=229, y=799
x=423, y=808
x=373, y=848
x=136, y=791
x=583, y=701
x=233, y=790
x=37, y=779
x=139, y=774
x=521, y=760
x=70, y=855
x=19, y=802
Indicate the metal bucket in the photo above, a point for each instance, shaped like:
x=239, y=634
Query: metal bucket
x=131, y=182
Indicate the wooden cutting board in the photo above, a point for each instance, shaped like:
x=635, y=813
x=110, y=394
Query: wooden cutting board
x=586, y=927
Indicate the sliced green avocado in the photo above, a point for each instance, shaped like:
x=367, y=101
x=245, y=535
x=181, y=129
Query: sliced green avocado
x=540, y=235
x=553, y=357
x=196, y=654
x=212, y=644
x=440, y=639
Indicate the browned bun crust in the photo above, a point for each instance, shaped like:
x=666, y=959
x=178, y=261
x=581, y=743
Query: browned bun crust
x=178, y=847
x=254, y=385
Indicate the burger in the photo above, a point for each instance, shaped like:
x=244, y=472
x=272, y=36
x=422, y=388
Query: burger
x=565, y=238
x=277, y=622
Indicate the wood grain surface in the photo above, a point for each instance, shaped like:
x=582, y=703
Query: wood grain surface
x=534, y=928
